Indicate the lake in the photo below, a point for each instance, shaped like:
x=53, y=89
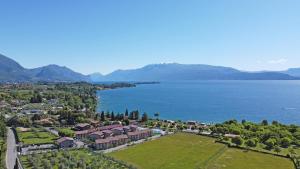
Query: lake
x=210, y=101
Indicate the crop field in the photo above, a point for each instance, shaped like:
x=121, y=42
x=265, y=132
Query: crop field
x=75, y=159
x=36, y=136
x=192, y=151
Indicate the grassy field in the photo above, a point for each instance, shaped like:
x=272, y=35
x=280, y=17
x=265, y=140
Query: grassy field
x=171, y=152
x=237, y=159
x=75, y=159
x=192, y=151
x=36, y=136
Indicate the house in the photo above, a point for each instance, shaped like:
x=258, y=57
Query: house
x=102, y=144
x=133, y=127
x=137, y=135
x=82, y=134
x=119, y=140
x=65, y=142
x=192, y=123
x=107, y=133
x=118, y=131
x=96, y=135
x=109, y=127
x=94, y=123
x=82, y=126
x=231, y=135
x=126, y=129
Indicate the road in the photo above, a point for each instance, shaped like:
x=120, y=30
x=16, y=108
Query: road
x=11, y=152
x=51, y=130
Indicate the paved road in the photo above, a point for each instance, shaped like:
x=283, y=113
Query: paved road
x=51, y=130
x=11, y=152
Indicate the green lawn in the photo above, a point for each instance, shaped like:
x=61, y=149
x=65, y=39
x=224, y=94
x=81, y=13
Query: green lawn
x=171, y=152
x=75, y=159
x=238, y=159
x=36, y=136
x=190, y=151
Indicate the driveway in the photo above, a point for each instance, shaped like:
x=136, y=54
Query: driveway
x=11, y=152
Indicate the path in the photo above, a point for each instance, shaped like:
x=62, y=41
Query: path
x=11, y=152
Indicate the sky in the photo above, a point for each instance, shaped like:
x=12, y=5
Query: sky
x=105, y=35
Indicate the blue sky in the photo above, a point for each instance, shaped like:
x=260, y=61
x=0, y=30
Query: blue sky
x=101, y=36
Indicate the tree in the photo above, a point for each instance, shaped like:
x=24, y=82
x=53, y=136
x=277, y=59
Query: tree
x=275, y=123
x=264, y=123
x=270, y=143
x=144, y=117
x=251, y=143
x=112, y=116
x=102, y=116
x=277, y=149
x=156, y=115
x=285, y=142
x=107, y=115
x=237, y=140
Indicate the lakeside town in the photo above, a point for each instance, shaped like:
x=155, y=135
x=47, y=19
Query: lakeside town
x=59, y=119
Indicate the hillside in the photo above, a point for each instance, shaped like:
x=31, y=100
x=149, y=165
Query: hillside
x=11, y=71
x=174, y=71
x=293, y=72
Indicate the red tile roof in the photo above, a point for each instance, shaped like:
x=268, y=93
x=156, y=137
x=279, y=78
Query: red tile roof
x=100, y=133
x=138, y=132
x=109, y=127
x=109, y=139
x=64, y=139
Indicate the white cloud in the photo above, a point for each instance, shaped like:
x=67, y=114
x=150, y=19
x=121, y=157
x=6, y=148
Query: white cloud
x=278, y=61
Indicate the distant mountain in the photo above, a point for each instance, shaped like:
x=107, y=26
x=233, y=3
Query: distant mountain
x=11, y=71
x=57, y=73
x=292, y=72
x=174, y=71
x=96, y=77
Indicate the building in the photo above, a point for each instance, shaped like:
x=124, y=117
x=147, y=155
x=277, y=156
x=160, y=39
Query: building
x=118, y=131
x=102, y=144
x=137, y=135
x=133, y=127
x=192, y=123
x=231, y=135
x=82, y=134
x=96, y=135
x=126, y=129
x=107, y=133
x=109, y=127
x=65, y=142
x=82, y=126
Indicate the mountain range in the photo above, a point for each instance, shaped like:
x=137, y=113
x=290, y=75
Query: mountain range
x=12, y=71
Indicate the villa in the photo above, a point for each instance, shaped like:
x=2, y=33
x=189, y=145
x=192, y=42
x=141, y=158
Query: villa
x=118, y=131
x=102, y=144
x=137, y=135
x=107, y=133
x=82, y=134
x=65, y=142
x=82, y=126
x=96, y=135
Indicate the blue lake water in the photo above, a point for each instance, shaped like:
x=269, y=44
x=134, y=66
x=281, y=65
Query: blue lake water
x=210, y=101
